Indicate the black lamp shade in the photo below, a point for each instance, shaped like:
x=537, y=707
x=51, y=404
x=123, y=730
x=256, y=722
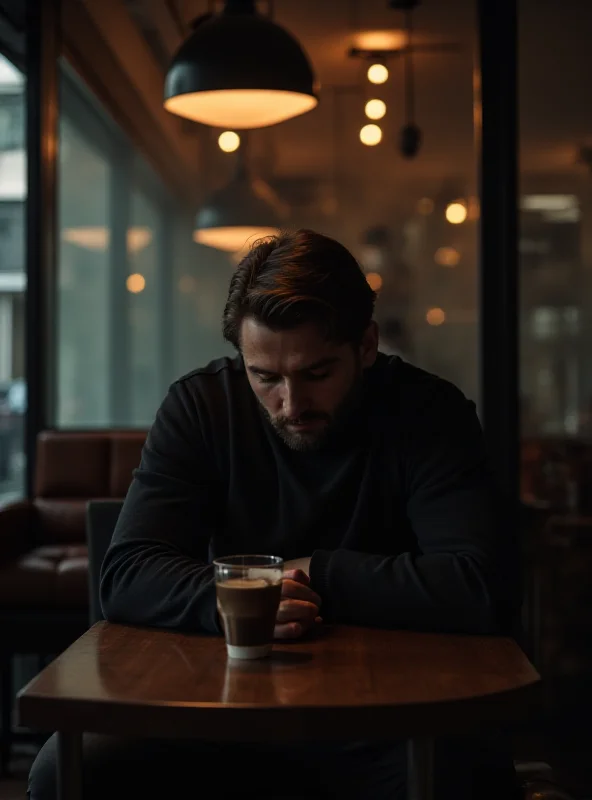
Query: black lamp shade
x=240, y=70
x=235, y=215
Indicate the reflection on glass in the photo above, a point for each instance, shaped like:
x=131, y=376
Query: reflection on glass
x=83, y=278
x=114, y=311
x=555, y=267
x=145, y=320
x=12, y=281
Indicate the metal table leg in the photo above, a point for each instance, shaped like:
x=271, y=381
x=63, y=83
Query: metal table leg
x=420, y=769
x=69, y=747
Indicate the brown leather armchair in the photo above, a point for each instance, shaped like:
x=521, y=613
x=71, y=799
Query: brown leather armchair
x=44, y=598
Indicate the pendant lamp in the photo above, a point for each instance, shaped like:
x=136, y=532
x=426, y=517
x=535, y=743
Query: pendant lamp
x=238, y=70
x=241, y=212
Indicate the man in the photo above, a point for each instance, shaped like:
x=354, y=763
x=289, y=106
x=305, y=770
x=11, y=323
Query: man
x=366, y=474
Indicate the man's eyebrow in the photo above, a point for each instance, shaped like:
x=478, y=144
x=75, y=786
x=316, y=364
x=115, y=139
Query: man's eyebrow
x=322, y=362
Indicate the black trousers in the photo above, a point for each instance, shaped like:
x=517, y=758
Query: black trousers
x=147, y=769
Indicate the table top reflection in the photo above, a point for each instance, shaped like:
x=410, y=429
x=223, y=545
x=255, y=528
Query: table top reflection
x=346, y=683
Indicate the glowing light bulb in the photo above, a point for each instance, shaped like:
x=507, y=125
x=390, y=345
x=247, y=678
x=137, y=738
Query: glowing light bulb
x=447, y=257
x=375, y=109
x=456, y=213
x=135, y=283
x=229, y=141
x=435, y=317
x=374, y=281
x=370, y=135
x=377, y=73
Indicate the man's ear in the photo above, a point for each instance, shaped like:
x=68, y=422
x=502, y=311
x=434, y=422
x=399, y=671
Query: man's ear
x=369, y=345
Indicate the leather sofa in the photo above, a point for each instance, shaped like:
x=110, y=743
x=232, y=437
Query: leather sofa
x=44, y=596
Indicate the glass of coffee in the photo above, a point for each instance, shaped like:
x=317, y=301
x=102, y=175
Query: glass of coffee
x=248, y=590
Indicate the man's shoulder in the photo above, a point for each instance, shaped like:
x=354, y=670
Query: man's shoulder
x=407, y=379
x=222, y=373
x=415, y=393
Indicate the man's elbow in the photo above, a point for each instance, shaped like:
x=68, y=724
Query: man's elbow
x=114, y=593
x=494, y=604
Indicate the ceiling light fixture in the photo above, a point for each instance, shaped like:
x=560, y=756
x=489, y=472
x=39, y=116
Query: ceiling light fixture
x=238, y=69
x=377, y=73
x=380, y=39
x=447, y=257
x=371, y=135
x=241, y=212
x=98, y=237
x=229, y=141
x=374, y=281
x=135, y=283
x=410, y=138
x=375, y=109
x=456, y=213
x=435, y=317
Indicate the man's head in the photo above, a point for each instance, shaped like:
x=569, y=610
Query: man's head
x=300, y=311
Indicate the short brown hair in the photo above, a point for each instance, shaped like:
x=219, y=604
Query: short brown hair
x=300, y=277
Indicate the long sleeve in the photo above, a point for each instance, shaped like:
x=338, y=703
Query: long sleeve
x=155, y=572
x=464, y=575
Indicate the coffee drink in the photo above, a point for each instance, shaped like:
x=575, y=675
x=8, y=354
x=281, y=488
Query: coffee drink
x=248, y=607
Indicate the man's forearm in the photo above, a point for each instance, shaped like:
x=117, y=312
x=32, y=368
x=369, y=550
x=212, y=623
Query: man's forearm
x=147, y=583
x=437, y=592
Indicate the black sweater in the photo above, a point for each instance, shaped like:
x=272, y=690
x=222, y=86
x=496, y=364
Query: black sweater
x=398, y=513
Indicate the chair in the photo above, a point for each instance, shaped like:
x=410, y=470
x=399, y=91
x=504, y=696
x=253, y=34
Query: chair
x=43, y=554
x=101, y=518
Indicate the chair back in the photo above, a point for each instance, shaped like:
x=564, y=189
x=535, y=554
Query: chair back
x=101, y=518
x=74, y=467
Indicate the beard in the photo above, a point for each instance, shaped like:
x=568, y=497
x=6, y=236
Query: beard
x=333, y=426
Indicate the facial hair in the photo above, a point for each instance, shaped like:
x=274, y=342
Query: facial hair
x=335, y=424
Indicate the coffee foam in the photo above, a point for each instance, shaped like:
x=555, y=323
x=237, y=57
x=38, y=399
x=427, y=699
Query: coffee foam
x=246, y=583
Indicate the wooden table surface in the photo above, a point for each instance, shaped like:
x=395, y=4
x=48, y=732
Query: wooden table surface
x=349, y=683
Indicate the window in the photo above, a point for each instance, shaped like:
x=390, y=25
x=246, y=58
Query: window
x=114, y=324
x=555, y=257
x=12, y=281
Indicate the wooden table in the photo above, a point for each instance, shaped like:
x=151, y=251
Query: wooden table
x=347, y=684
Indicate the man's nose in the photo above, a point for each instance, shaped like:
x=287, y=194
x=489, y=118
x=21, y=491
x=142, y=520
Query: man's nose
x=293, y=401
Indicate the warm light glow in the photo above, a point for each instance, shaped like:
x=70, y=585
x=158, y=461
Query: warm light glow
x=425, y=206
x=435, y=316
x=135, y=283
x=229, y=141
x=187, y=284
x=380, y=40
x=377, y=73
x=370, y=135
x=375, y=109
x=447, y=257
x=230, y=239
x=138, y=239
x=473, y=209
x=240, y=108
x=456, y=213
x=99, y=238
x=374, y=281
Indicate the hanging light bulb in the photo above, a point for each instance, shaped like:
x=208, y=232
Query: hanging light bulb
x=229, y=141
x=374, y=281
x=371, y=135
x=436, y=317
x=135, y=283
x=375, y=109
x=378, y=73
x=238, y=69
x=456, y=213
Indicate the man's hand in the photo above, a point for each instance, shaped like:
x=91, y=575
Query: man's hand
x=299, y=606
x=302, y=564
